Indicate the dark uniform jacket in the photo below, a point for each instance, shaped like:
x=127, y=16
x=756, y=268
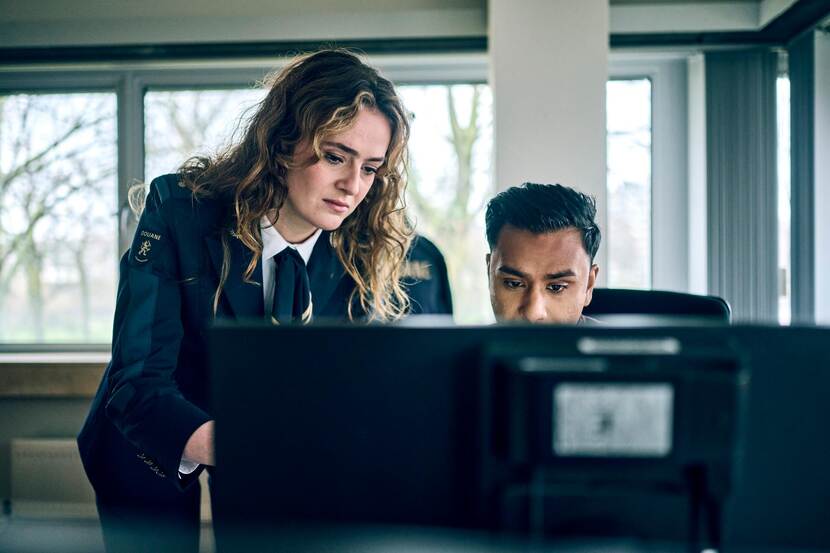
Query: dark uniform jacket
x=426, y=280
x=153, y=395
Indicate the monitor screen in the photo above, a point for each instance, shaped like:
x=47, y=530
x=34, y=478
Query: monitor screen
x=612, y=420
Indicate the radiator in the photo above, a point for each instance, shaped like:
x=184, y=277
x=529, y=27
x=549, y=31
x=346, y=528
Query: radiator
x=48, y=481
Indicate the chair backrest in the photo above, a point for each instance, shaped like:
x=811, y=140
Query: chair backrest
x=614, y=301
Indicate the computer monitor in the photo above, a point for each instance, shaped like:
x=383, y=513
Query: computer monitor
x=782, y=493
x=432, y=426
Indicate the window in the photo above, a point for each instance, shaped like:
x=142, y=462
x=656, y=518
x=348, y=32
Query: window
x=58, y=273
x=58, y=235
x=629, y=183
x=183, y=123
x=450, y=183
x=54, y=256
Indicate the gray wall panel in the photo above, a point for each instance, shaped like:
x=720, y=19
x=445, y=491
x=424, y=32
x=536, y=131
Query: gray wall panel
x=802, y=151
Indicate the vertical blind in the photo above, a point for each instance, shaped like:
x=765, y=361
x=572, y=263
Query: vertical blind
x=741, y=136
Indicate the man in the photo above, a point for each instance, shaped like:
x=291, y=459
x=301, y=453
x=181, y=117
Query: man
x=543, y=239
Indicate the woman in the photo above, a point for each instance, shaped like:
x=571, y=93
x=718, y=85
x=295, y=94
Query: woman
x=301, y=219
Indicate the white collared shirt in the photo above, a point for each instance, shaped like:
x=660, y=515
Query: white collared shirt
x=272, y=244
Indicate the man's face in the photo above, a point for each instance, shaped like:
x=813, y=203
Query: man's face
x=540, y=278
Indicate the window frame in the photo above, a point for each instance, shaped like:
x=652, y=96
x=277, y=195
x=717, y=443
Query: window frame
x=669, y=161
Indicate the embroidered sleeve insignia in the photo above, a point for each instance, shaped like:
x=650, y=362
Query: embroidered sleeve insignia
x=144, y=242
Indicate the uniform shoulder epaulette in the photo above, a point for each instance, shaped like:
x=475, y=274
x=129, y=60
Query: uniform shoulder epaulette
x=169, y=187
x=419, y=270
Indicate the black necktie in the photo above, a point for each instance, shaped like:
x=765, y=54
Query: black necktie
x=292, y=292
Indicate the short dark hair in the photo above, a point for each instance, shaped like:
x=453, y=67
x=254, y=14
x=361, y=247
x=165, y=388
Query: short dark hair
x=540, y=208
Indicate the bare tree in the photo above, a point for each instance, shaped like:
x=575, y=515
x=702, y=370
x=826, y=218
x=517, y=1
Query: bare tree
x=185, y=123
x=47, y=186
x=451, y=222
x=44, y=182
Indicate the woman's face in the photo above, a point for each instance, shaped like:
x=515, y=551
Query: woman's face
x=323, y=194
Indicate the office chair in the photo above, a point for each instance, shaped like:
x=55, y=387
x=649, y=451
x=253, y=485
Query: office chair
x=620, y=301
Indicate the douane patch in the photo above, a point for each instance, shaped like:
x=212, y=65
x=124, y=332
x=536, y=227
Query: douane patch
x=146, y=242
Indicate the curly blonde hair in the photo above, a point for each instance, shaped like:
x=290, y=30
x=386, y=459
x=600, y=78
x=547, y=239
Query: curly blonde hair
x=315, y=96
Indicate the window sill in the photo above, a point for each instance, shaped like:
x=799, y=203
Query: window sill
x=51, y=375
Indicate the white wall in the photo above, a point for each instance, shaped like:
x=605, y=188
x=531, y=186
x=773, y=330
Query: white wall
x=822, y=177
x=684, y=17
x=643, y=16
x=103, y=22
x=98, y=22
x=696, y=163
x=770, y=9
x=548, y=66
x=669, y=210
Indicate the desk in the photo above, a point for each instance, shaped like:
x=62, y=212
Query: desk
x=401, y=539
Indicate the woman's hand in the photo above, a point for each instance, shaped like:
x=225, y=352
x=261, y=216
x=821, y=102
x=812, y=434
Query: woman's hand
x=199, y=447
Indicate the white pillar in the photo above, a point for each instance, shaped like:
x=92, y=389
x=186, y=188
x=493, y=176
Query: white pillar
x=696, y=168
x=549, y=66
